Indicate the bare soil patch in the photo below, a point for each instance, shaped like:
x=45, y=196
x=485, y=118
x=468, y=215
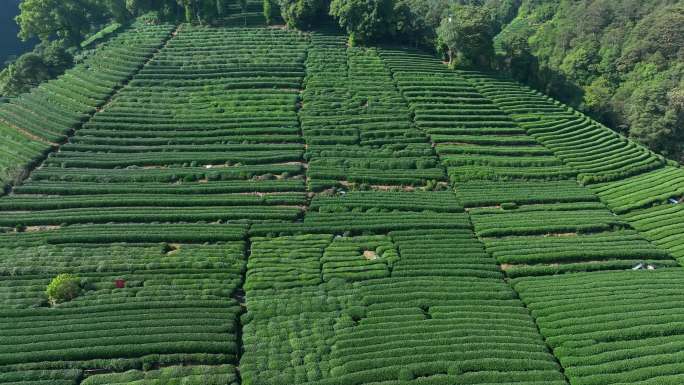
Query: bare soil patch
x=370, y=255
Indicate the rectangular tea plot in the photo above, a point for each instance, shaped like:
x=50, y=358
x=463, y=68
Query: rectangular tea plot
x=386, y=307
x=612, y=327
x=139, y=306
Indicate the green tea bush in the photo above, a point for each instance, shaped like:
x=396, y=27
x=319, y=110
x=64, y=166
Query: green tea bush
x=63, y=288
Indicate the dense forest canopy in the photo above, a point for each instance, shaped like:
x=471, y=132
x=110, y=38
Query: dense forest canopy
x=619, y=61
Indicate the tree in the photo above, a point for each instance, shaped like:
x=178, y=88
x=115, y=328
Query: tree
x=62, y=288
x=503, y=11
x=118, y=10
x=189, y=10
x=618, y=61
x=365, y=20
x=137, y=7
x=417, y=20
x=514, y=52
x=302, y=14
x=652, y=109
x=270, y=11
x=47, y=61
x=467, y=33
x=67, y=19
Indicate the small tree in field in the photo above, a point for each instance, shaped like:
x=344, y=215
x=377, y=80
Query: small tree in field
x=62, y=288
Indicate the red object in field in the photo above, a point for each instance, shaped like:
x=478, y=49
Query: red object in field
x=120, y=283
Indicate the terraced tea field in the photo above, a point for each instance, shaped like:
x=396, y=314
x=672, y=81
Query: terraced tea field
x=252, y=205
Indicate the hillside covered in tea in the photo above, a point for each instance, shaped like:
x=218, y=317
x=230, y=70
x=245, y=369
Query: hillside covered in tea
x=253, y=204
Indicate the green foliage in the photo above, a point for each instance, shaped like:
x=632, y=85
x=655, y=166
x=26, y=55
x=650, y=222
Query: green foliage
x=595, y=151
x=270, y=10
x=63, y=25
x=374, y=141
x=662, y=224
x=18, y=77
x=101, y=34
x=118, y=10
x=416, y=21
x=621, y=64
x=364, y=20
x=230, y=125
x=63, y=288
x=68, y=19
x=46, y=61
x=596, y=322
x=509, y=206
x=482, y=193
x=72, y=20
x=302, y=14
x=192, y=375
x=51, y=110
x=467, y=33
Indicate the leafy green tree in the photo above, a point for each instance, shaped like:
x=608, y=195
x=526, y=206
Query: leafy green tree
x=467, y=34
x=118, y=10
x=47, y=61
x=365, y=20
x=676, y=99
x=302, y=14
x=417, y=20
x=597, y=97
x=63, y=288
x=191, y=11
x=67, y=19
x=650, y=107
x=514, y=53
x=26, y=72
x=503, y=11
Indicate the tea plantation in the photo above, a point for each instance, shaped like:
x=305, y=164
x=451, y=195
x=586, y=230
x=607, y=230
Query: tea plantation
x=261, y=206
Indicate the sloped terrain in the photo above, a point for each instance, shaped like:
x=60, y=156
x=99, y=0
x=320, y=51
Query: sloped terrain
x=248, y=205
